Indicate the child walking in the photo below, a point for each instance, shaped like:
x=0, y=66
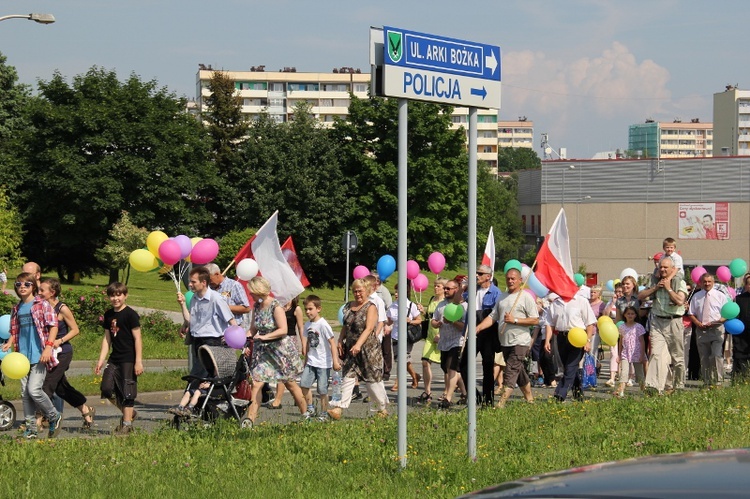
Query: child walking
x=122, y=332
x=632, y=349
x=319, y=348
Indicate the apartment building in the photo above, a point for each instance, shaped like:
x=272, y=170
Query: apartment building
x=516, y=133
x=732, y=122
x=671, y=139
x=278, y=92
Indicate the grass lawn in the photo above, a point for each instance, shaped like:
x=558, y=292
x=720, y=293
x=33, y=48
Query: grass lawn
x=357, y=458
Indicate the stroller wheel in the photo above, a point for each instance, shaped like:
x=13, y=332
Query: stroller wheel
x=7, y=415
x=246, y=424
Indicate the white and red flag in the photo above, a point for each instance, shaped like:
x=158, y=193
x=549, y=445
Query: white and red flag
x=489, y=251
x=553, y=264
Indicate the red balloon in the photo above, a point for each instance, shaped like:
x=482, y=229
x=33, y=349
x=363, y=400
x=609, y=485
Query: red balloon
x=169, y=252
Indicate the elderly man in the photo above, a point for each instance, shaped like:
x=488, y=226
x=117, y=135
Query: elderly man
x=560, y=317
x=669, y=295
x=34, y=269
x=705, y=313
x=517, y=312
x=487, y=344
x=231, y=291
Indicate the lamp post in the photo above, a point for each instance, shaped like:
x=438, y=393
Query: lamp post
x=37, y=18
x=562, y=198
x=578, y=226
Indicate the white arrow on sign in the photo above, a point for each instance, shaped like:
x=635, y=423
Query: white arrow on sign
x=490, y=61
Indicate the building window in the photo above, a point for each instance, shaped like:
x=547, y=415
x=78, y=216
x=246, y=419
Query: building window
x=487, y=149
x=360, y=88
x=277, y=87
x=523, y=222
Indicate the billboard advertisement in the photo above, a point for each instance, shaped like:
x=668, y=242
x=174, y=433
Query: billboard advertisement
x=703, y=221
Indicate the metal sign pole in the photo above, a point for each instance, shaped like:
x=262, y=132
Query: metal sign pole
x=472, y=249
x=348, y=247
x=402, y=282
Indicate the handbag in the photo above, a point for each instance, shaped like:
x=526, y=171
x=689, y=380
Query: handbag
x=588, y=378
x=413, y=331
x=244, y=391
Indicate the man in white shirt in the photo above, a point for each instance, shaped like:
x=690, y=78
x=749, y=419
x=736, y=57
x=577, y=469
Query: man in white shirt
x=705, y=313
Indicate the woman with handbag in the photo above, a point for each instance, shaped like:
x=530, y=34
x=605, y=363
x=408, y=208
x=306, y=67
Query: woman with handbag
x=413, y=333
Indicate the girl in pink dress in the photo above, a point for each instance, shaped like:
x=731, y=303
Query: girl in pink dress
x=632, y=349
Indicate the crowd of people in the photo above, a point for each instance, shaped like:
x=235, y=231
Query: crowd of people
x=524, y=341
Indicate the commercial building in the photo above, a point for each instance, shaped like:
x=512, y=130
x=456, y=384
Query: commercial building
x=278, y=92
x=620, y=211
x=671, y=140
x=732, y=122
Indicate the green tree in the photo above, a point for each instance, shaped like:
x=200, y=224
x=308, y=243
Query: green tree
x=295, y=168
x=437, y=179
x=497, y=207
x=513, y=159
x=14, y=98
x=227, y=129
x=100, y=146
x=11, y=233
x=124, y=238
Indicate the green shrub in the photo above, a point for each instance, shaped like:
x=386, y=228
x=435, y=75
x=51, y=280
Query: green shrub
x=88, y=306
x=159, y=326
x=7, y=301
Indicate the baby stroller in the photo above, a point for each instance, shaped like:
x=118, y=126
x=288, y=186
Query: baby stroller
x=218, y=401
x=7, y=411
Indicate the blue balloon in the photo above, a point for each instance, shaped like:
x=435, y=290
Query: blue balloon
x=386, y=267
x=734, y=326
x=3, y=354
x=5, y=327
x=341, y=315
x=537, y=287
x=611, y=285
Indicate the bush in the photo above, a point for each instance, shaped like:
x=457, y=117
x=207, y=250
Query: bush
x=7, y=301
x=159, y=326
x=88, y=306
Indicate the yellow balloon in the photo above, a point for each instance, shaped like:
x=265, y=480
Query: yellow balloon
x=603, y=319
x=609, y=333
x=15, y=365
x=193, y=241
x=577, y=337
x=143, y=261
x=616, y=282
x=154, y=240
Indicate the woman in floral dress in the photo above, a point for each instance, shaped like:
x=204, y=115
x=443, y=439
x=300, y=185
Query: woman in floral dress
x=361, y=352
x=276, y=358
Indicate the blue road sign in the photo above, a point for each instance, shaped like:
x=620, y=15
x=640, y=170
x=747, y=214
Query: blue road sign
x=439, y=69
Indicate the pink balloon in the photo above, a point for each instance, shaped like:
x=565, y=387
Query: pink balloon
x=420, y=283
x=169, y=252
x=724, y=274
x=436, y=262
x=412, y=269
x=186, y=245
x=204, y=251
x=732, y=292
x=696, y=274
x=360, y=271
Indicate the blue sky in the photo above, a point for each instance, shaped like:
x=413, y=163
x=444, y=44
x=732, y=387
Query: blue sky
x=581, y=70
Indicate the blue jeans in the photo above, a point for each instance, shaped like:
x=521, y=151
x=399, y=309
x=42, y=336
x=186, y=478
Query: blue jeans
x=33, y=396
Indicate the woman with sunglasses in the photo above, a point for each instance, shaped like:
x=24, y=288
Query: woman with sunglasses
x=33, y=329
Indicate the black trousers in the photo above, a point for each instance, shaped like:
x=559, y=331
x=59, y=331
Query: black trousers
x=571, y=356
x=57, y=382
x=485, y=346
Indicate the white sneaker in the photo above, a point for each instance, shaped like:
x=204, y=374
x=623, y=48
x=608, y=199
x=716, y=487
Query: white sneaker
x=630, y=382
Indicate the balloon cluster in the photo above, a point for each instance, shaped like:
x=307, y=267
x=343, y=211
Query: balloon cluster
x=386, y=266
x=171, y=251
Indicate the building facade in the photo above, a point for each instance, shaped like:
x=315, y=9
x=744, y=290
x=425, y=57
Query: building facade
x=515, y=133
x=620, y=211
x=278, y=92
x=671, y=140
x=732, y=122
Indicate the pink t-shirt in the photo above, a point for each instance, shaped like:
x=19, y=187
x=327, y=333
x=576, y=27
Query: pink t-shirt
x=631, y=344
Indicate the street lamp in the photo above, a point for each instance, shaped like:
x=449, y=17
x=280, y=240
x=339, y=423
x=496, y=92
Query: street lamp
x=578, y=225
x=37, y=18
x=562, y=198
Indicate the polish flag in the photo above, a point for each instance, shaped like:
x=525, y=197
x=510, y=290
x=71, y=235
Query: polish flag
x=489, y=251
x=553, y=265
x=290, y=255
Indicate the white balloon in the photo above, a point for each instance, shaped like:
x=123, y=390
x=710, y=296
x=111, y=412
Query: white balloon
x=629, y=272
x=247, y=269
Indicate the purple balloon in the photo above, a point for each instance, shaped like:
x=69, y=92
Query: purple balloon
x=186, y=245
x=234, y=337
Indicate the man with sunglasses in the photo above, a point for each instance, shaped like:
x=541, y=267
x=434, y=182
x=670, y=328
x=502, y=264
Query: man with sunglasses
x=487, y=342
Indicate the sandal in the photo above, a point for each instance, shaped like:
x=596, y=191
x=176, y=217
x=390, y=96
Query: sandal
x=90, y=413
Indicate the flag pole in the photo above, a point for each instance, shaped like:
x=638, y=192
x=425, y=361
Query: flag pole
x=228, y=267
